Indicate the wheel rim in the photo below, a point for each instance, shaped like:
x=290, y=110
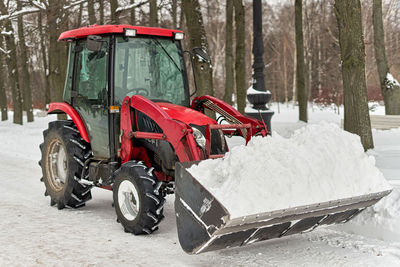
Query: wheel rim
x=57, y=159
x=128, y=200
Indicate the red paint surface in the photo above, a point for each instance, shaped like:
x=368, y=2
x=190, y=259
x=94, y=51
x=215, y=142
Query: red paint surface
x=186, y=115
x=68, y=109
x=104, y=29
x=177, y=133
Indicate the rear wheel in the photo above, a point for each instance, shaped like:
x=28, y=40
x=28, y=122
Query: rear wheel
x=63, y=155
x=138, y=200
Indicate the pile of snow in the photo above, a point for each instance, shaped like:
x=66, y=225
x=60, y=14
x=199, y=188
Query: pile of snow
x=318, y=163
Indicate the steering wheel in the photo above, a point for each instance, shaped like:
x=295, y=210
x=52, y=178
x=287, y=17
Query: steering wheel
x=139, y=91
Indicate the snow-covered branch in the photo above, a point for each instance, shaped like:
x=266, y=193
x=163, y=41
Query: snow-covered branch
x=75, y=4
x=4, y=51
x=6, y=33
x=18, y=13
x=128, y=7
x=38, y=4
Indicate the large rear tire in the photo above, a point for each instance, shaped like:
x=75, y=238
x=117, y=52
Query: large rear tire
x=138, y=200
x=63, y=155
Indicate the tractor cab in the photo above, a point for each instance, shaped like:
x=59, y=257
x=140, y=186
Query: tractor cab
x=107, y=63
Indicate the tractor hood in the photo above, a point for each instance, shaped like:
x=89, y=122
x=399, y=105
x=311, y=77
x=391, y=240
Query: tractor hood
x=186, y=115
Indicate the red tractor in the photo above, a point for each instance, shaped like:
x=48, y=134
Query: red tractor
x=133, y=130
x=127, y=93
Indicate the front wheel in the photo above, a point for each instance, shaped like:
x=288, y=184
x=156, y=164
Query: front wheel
x=138, y=200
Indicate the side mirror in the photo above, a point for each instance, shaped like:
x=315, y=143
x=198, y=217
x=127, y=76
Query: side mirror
x=202, y=54
x=94, y=43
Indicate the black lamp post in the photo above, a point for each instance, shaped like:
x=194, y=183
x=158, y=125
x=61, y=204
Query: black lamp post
x=257, y=94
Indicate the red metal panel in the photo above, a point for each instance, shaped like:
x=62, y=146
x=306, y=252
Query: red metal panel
x=67, y=108
x=104, y=29
x=186, y=115
x=178, y=134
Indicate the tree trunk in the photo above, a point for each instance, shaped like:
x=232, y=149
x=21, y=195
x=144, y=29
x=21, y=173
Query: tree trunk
x=181, y=16
x=114, y=14
x=294, y=78
x=300, y=68
x=390, y=90
x=240, y=66
x=198, y=38
x=56, y=18
x=174, y=13
x=3, y=96
x=153, y=13
x=43, y=49
x=92, y=16
x=229, y=72
x=101, y=7
x=26, y=81
x=11, y=61
x=352, y=50
x=79, y=21
x=133, y=13
x=285, y=87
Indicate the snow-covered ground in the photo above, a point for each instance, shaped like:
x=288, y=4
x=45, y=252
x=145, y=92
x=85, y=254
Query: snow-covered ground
x=33, y=233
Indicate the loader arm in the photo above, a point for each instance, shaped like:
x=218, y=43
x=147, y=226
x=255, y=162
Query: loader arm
x=230, y=113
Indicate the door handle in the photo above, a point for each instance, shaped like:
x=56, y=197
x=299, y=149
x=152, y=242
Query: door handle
x=97, y=107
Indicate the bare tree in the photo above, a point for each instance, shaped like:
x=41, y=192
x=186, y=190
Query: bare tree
x=44, y=49
x=390, y=89
x=101, y=9
x=174, y=13
x=300, y=71
x=133, y=13
x=240, y=67
x=153, y=21
x=229, y=74
x=114, y=17
x=3, y=96
x=198, y=38
x=11, y=61
x=26, y=81
x=57, y=21
x=92, y=16
x=352, y=52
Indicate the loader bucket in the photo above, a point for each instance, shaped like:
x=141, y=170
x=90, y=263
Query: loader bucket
x=204, y=224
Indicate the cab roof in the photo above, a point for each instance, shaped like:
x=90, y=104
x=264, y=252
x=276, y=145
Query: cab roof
x=104, y=29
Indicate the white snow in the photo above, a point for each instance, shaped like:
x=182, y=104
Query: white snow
x=319, y=163
x=33, y=233
x=252, y=91
x=391, y=81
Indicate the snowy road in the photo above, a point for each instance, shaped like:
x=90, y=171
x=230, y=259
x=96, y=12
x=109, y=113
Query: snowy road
x=33, y=233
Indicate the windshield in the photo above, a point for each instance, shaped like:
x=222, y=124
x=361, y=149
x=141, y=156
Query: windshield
x=151, y=67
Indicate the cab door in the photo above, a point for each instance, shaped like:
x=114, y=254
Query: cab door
x=91, y=95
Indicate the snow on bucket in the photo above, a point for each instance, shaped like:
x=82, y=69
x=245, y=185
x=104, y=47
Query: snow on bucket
x=275, y=187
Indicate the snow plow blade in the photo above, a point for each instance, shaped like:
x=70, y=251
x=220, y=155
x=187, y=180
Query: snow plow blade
x=204, y=224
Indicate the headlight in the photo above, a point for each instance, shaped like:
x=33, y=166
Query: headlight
x=199, y=137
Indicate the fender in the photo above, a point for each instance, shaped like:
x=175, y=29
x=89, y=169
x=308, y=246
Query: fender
x=68, y=109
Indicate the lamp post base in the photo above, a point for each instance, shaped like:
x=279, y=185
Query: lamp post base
x=266, y=115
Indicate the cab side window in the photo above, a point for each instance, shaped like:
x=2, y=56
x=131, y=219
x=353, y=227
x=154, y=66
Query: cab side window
x=91, y=74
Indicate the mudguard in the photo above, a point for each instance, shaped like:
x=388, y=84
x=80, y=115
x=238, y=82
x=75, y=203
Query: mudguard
x=70, y=111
